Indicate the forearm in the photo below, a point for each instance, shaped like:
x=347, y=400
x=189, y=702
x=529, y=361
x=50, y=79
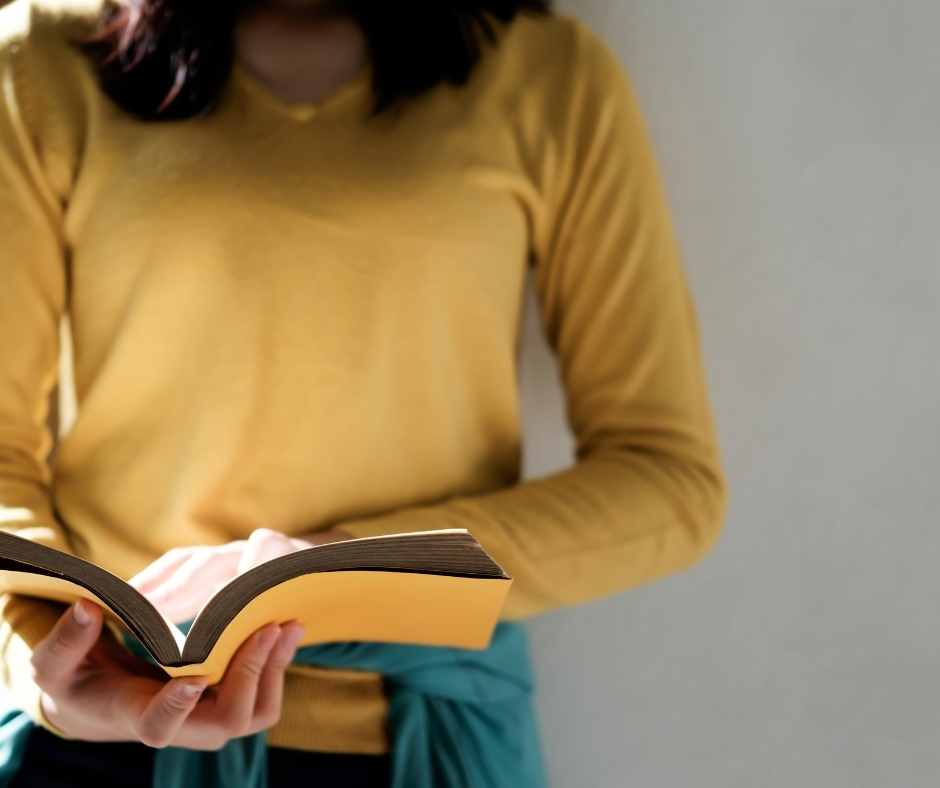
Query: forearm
x=602, y=526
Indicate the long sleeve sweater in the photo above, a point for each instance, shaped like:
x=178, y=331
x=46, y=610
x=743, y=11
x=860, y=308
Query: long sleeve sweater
x=289, y=315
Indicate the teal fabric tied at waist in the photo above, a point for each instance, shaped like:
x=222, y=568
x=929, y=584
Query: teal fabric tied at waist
x=458, y=718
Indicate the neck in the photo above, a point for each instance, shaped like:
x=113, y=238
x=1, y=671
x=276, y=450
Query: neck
x=283, y=38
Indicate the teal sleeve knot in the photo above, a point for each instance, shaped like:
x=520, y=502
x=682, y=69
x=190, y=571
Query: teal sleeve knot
x=458, y=718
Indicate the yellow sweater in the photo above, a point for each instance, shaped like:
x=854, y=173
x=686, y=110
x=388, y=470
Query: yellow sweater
x=285, y=315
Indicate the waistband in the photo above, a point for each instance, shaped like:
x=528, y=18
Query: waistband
x=332, y=710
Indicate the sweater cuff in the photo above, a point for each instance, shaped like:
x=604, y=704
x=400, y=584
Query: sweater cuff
x=529, y=595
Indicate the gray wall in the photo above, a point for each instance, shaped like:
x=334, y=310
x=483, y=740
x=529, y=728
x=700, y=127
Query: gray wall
x=800, y=145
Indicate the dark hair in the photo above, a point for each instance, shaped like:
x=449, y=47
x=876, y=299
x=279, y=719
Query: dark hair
x=169, y=59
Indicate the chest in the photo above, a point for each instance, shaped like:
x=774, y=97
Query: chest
x=334, y=204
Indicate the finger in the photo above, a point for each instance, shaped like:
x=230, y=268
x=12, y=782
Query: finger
x=263, y=545
x=58, y=655
x=168, y=710
x=271, y=684
x=236, y=694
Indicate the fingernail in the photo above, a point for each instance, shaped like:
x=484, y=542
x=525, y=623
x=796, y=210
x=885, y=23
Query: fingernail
x=294, y=634
x=80, y=613
x=192, y=689
x=268, y=636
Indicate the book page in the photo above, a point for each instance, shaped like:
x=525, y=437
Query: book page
x=62, y=590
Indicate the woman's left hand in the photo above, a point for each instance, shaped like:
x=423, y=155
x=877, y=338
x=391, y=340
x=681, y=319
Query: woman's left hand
x=181, y=581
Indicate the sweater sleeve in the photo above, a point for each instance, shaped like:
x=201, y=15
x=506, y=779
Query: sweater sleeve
x=646, y=495
x=32, y=302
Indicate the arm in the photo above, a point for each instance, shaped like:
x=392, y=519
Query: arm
x=646, y=494
x=32, y=301
x=55, y=665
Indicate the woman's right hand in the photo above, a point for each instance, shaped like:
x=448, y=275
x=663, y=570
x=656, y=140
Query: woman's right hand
x=95, y=690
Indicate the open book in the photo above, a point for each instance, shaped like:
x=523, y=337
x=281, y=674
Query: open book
x=436, y=588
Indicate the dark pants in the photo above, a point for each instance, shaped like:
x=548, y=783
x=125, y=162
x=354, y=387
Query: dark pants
x=52, y=762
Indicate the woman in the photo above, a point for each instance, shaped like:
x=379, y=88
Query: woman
x=291, y=239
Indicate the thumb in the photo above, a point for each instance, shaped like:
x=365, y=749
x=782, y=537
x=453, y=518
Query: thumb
x=58, y=655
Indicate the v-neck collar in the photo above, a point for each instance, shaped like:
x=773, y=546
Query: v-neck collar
x=351, y=94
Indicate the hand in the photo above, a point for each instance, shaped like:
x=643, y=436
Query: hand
x=183, y=579
x=95, y=690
